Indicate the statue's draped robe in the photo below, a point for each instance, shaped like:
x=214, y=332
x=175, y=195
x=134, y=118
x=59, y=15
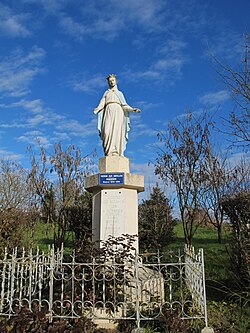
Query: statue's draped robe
x=113, y=122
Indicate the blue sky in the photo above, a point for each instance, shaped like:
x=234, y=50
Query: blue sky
x=56, y=54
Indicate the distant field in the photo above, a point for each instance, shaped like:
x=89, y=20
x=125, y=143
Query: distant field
x=217, y=272
x=215, y=254
x=216, y=258
x=44, y=237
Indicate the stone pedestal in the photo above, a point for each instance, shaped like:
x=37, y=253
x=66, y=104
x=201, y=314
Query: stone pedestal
x=115, y=198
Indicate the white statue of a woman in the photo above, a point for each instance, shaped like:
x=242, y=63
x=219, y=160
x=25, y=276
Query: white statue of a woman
x=113, y=119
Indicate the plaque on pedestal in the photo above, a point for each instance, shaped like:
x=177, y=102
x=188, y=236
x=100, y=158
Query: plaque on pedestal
x=115, y=199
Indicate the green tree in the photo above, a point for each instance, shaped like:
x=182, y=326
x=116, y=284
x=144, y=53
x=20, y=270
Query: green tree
x=155, y=221
x=237, y=208
x=79, y=217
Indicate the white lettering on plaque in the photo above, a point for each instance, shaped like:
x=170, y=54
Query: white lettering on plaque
x=112, y=213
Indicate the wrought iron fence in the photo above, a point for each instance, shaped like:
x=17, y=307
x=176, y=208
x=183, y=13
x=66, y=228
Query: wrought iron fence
x=140, y=288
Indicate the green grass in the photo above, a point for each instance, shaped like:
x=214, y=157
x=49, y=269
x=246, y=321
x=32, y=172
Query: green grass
x=215, y=254
x=44, y=238
x=217, y=270
x=225, y=313
x=216, y=258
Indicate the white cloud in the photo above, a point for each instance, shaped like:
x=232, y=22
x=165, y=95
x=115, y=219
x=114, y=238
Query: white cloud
x=171, y=58
x=162, y=68
x=215, y=98
x=150, y=180
x=72, y=27
x=35, y=106
x=18, y=70
x=144, y=12
x=51, y=6
x=61, y=136
x=237, y=158
x=142, y=74
x=75, y=128
x=167, y=65
x=88, y=85
x=36, y=136
x=110, y=18
x=40, y=116
x=12, y=24
x=140, y=128
x=144, y=105
x=226, y=45
x=9, y=155
x=106, y=19
x=171, y=46
x=13, y=124
x=64, y=130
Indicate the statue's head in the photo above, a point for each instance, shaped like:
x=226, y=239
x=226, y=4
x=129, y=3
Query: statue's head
x=111, y=80
x=111, y=75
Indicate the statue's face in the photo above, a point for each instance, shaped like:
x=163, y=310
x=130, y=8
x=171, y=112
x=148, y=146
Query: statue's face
x=112, y=81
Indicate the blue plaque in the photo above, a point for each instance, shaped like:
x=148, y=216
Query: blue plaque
x=111, y=178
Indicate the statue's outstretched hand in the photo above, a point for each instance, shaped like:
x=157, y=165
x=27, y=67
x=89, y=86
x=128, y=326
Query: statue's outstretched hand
x=136, y=110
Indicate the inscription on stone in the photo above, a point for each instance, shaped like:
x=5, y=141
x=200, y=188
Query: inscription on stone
x=113, y=214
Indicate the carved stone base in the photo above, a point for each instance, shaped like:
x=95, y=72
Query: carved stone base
x=113, y=164
x=115, y=212
x=115, y=200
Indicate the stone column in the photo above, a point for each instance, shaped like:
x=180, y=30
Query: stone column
x=115, y=198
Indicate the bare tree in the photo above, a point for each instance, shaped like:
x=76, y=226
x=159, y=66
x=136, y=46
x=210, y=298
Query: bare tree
x=237, y=81
x=13, y=192
x=17, y=203
x=181, y=161
x=240, y=177
x=58, y=180
x=215, y=187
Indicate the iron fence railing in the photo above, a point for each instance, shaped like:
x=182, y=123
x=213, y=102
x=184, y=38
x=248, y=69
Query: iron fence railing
x=140, y=288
